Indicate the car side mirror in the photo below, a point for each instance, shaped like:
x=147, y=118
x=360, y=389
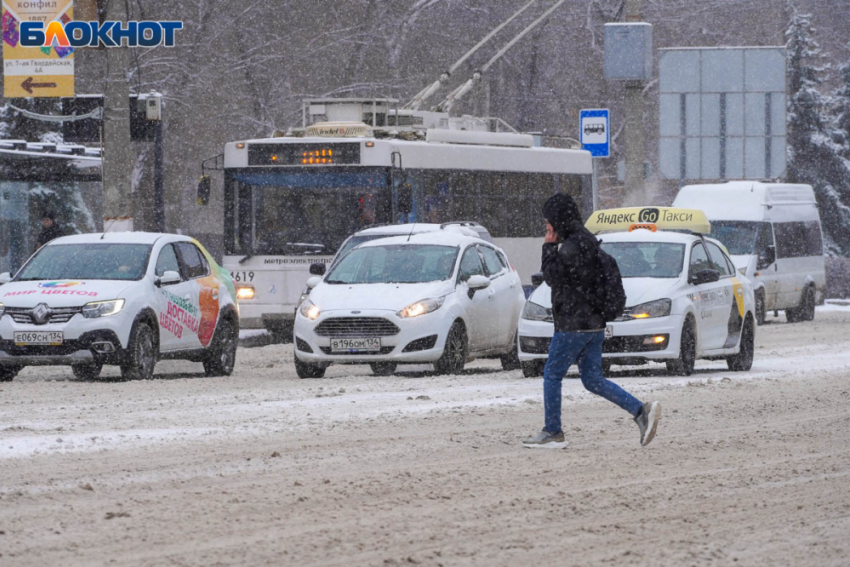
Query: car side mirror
x=536, y=280
x=168, y=278
x=704, y=277
x=476, y=283
x=5, y=278
x=313, y=282
x=318, y=269
x=766, y=257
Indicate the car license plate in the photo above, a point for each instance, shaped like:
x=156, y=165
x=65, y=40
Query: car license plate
x=348, y=345
x=609, y=331
x=36, y=338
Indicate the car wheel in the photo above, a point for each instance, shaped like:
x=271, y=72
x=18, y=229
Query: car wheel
x=510, y=360
x=454, y=354
x=142, y=355
x=306, y=370
x=87, y=371
x=383, y=368
x=743, y=361
x=684, y=366
x=533, y=369
x=8, y=373
x=222, y=355
x=761, y=311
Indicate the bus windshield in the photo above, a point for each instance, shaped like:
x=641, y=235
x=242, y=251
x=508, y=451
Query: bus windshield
x=309, y=213
x=739, y=237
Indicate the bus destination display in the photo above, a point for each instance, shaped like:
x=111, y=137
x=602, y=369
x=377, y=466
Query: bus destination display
x=304, y=154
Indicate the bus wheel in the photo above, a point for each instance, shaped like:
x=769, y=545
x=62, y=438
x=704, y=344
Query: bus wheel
x=684, y=366
x=761, y=311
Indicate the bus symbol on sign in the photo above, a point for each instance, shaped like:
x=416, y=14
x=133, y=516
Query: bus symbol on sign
x=594, y=129
x=649, y=215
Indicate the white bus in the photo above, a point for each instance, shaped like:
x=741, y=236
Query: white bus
x=291, y=201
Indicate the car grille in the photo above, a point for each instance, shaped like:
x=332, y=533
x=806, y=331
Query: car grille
x=534, y=345
x=356, y=328
x=384, y=350
x=57, y=315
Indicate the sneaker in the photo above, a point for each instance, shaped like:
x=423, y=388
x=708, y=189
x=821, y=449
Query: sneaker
x=546, y=440
x=647, y=421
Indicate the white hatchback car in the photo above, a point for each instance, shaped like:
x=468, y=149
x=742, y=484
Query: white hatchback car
x=126, y=299
x=442, y=298
x=684, y=298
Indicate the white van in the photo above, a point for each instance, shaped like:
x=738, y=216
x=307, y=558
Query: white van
x=773, y=234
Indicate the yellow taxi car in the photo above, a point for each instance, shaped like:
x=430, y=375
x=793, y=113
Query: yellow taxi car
x=684, y=298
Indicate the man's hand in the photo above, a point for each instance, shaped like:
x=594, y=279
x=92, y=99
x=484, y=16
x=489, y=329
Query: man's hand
x=551, y=235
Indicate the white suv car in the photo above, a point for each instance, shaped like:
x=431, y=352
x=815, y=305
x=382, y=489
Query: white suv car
x=126, y=299
x=437, y=297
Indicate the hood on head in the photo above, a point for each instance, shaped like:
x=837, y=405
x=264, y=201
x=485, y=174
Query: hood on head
x=562, y=213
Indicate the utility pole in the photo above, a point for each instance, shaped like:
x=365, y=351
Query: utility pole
x=117, y=157
x=634, y=119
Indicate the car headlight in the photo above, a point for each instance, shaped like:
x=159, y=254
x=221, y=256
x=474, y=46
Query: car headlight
x=535, y=312
x=310, y=310
x=102, y=308
x=245, y=292
x=2, y=309
x=304, y=295
x=658, y=308
x=421, y=307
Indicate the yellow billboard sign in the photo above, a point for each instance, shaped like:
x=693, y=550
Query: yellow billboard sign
x=36, y=71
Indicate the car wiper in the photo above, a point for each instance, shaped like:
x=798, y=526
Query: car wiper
x=246, y=258
x=335, y=282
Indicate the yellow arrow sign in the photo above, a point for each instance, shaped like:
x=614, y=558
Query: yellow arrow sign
x=36, y=71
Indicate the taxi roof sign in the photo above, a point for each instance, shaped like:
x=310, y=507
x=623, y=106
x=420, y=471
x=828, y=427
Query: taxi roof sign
x=663, y=218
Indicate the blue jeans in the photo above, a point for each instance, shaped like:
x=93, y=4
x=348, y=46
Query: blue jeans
x=586, y=350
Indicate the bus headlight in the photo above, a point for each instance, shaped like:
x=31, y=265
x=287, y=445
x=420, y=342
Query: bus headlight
x=310, y=310
x=421, y=308
x=658, y=308
x=245, y=292
x=535, y=312
x=102, y=308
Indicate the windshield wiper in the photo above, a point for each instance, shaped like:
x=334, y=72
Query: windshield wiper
x=246, y=258
x=335, y=282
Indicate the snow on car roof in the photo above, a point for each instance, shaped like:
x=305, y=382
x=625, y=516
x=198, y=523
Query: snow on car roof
x=643, y=235
x=116, y=237
x=441, y=238
x=401, y=228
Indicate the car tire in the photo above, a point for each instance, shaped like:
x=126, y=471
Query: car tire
x=684, y=365
x=383, y=368
x=510, y=360
x=8, y=373
x=221, y=357
x=453, y=358
x=761, y=308
x=142, y=354
x=743, y=361
x=87, y=371
x=533, y=369
x=306, y=370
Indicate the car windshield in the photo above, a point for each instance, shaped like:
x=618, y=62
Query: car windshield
x=89, y=261
x=647, y=259
x=739, y=237
x=395, y=264
x=356, y=241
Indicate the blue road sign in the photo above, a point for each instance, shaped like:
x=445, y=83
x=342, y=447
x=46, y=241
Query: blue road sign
x=595, y=136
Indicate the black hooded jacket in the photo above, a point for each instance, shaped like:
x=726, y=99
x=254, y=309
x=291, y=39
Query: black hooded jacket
x=571, y=268
x=48, y=234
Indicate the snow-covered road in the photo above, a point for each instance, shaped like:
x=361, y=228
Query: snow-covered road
x=263, y=468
